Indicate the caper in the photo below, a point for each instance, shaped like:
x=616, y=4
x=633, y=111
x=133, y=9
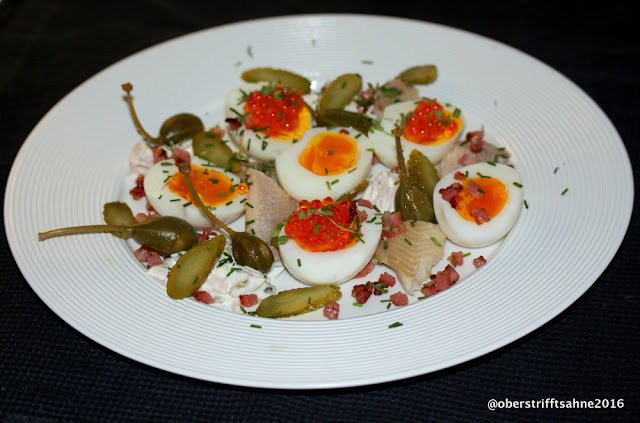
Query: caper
x=421, y=75
x=180, y=127
x=193, y=267
x=165, y=234
x=210, y=147
x=248, y=250
x=278, y=76
x=410, y=198
x=118, y=213
x=338, y=117
x=173, y=130
x=293, y=302
x=341, y=91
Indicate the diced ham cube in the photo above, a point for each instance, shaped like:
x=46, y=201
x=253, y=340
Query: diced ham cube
x=481, y=215
x=331, y=310
x=248, y=300
x=456, y=258
x=474, y=190
x=387, y=279
x=204, y=297
x=399, y=299
x=181, y=156
x=479, y=261
x=428, y=291
x=367, y=269
x=365, y=203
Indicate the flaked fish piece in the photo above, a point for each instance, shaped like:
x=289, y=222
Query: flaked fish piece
x=463, y=155
x=392, y=92
x=412, y=253
x=267, y=205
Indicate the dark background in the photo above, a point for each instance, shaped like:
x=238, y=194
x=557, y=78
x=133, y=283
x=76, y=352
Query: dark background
x=51, y=373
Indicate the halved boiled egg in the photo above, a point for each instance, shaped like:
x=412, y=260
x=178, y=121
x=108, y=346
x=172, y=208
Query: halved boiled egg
x=478, y=204
x=264, y=119
x=430, y=128
x=324, y=163
x=325, y=242
x=222, y=192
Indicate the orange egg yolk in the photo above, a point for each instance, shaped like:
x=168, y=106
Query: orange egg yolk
x=431, y=124
x=493, y=196
x=329, y=153
x=272, y=113
x=321, y=226
x=214, y=188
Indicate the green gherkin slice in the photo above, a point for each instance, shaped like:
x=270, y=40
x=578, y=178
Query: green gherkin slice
x=278, y=76
x=420, y=75
x=297, y=301
x=193, y=268
x=341, y=91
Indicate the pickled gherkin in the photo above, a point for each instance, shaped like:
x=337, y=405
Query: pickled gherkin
x=297, y=301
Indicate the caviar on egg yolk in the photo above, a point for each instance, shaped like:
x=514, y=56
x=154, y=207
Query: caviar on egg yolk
x=431, y=124
x=273, y=113
x=329, y=154
x=320, y=226
x=215, y=188
x=491, y=195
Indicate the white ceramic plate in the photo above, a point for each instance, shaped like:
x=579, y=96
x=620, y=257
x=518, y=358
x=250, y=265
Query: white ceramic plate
x=74, y=161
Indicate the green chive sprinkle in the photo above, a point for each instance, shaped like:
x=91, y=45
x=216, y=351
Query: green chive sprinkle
x=519, y=185
x=187, y=204
x=435, y=241
x=256, y=326
x=565, y=191
x=395, y=325
x=357, y=304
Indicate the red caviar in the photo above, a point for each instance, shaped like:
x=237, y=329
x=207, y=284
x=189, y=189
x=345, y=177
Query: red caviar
x=430, y=123
x=272, y=112
x=319, y=226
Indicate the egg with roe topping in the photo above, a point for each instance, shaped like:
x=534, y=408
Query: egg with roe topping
x=222, y=192
x=264, y=118
x=430, y=127
x=478, y=204
x=324, y=163
x=327, y=242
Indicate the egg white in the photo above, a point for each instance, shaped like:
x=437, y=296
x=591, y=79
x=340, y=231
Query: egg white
x=384, y=142
x=254, y=144
x=302, y=184
x=470, y=234
x=160, y=196
x=332, y=267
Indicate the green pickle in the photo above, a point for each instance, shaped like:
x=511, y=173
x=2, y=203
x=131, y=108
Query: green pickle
x=294, y=302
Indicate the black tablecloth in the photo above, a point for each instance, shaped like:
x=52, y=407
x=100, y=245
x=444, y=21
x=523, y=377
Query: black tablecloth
x=51, y=373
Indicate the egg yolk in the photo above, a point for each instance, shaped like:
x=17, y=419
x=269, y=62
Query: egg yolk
x=431, y=124
x=214, y=188
x=488, y=193
x=329, y=154
x=273, y=113
x=320, y=226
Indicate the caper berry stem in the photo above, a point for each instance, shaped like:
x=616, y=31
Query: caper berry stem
x=402, y=168
x=127, y=87
x=74, y=230
x=185, y=169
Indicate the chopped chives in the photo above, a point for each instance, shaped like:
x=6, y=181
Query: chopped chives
x=357, y=304
x=435, y=241
x=526, y=206
x=519, y=185
x=565, y=191
x=187, y=204
x=256, y=326
x=395, y=325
